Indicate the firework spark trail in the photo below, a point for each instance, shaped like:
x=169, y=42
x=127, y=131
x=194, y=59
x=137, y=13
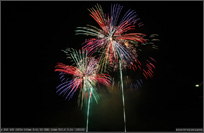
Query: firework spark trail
x=87, y=117
x=123, y=99
x=84, y=76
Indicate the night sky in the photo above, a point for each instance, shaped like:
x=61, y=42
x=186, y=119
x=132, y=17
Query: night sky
x=33, y=34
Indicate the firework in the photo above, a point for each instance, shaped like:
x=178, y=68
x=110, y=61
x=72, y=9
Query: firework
x=116, y=42
x=112, y=39
x=84, y=77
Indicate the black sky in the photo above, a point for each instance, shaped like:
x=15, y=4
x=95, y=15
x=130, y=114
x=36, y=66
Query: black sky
x=33, y=34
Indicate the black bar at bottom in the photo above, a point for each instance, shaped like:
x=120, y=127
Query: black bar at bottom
x=42, y=129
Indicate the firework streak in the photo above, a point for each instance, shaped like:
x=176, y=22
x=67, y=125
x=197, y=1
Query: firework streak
x=84, y=77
